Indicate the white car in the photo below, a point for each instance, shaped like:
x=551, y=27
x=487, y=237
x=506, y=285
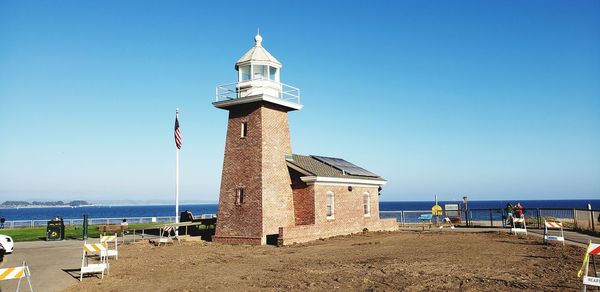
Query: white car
x=7, y=242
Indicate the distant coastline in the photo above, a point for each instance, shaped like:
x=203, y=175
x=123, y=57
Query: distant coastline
x=43, y=206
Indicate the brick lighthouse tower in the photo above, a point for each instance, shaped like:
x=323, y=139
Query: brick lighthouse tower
x=256, y=197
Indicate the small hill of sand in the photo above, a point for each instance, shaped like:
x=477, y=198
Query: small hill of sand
x=391, y=261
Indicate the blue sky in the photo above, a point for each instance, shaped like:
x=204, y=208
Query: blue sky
x=490, y=99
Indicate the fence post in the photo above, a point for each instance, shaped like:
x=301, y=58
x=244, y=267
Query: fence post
x=32, y=225
x=469, y=221
x=591, y=217
x=574, y=219
x=491, y=220
x=402, y=218
x=539, y=218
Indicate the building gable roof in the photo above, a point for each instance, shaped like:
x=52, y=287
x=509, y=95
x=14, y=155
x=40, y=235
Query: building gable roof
x=313, y=166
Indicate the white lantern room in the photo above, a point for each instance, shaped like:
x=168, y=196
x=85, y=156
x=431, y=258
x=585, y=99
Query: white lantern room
x=258, y=78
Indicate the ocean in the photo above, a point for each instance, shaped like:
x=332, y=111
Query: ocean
x=197, y=209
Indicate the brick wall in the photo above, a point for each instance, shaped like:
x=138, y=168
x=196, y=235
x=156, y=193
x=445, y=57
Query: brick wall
x=304, y=233
x=257, y=163
x=304, y=200
x=278, y=205
x=230, y=226
x=348, y=204
x=348, y=215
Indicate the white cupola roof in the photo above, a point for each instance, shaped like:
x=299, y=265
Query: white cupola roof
x=257, y=55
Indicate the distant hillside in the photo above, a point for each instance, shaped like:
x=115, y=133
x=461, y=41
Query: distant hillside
x=44, y=203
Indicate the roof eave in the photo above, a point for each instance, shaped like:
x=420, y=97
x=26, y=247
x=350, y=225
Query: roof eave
x=299, y=169
x=342, y=180
x=257, y=62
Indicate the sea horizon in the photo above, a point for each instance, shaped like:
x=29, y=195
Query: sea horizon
x=163, y=210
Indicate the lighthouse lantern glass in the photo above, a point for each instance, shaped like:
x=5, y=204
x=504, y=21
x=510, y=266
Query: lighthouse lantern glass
x=273, y=74
x=259, y=72
x=245, y=70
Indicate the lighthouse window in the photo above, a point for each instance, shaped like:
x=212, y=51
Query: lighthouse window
x=330, y=208
x=259, y=71
x=239, y=196
x=245, y=72
x=366, y=204
x=272, y=73
x=244, y=130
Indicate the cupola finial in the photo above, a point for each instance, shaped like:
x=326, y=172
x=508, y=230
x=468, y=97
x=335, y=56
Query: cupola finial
x=258, y=38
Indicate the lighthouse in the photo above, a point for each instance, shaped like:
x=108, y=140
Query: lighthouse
x=269, y=195
x=256, y=197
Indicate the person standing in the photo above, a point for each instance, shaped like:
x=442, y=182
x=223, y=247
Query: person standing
x=519, y=210
x=509, y=213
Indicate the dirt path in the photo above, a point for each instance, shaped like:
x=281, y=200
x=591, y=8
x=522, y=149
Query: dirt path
x=381, y=261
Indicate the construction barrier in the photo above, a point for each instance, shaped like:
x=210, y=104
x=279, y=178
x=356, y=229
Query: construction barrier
x=447, y=220
x=593, y=249
x=91, y=249
x=555, y=224
x=165, y=235
x=522, y=229
x=111, y=239
x=17, y=273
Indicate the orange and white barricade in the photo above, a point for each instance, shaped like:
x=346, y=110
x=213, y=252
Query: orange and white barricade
x=447, y=220
x=90, y=249
x=108, y=240
x=166, y=237
x=554, y=224
x=593, y=249
x=17, y=273
x=522, y=229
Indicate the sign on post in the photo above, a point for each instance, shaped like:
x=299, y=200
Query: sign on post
x=436, y=210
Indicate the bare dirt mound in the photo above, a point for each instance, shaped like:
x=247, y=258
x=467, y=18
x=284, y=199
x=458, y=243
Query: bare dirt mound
x=408, y=261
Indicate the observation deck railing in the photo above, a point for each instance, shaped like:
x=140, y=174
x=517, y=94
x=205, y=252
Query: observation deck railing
x=231, y=91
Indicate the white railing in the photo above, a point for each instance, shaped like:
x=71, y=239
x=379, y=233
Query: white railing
x=98, y=221
x=231, y=91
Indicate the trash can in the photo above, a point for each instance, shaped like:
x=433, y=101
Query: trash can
x=55, y=230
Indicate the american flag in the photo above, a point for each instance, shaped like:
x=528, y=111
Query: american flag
x=177, y=133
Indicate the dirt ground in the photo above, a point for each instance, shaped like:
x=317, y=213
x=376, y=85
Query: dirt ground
x=410, y=261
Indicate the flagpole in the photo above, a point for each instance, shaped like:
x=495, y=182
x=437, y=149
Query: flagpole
x=177, y=180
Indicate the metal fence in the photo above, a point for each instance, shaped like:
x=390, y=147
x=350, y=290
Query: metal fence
x=98, y=221
x=572, y=219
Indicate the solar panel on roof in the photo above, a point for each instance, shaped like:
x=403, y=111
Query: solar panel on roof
x=344, y=166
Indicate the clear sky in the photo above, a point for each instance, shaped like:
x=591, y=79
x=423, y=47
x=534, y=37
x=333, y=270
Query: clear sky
x=490, y=99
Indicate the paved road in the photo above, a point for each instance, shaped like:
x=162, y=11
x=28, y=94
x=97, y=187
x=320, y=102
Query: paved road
x=47, y=261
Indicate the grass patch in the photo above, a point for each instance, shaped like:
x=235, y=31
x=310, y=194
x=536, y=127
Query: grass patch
x=71, y=232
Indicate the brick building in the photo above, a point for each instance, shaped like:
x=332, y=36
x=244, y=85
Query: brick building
x=268, y=194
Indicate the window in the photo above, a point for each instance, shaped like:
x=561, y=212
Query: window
x=273, y=73
x=245, y=70
x=367, y=204
x=239, y=196
x=259, y=72
x=330, y=205
x=244, y=132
